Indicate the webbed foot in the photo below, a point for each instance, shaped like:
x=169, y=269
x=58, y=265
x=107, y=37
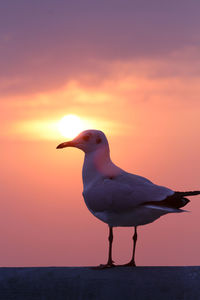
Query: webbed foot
x=106, y=266
x=130, y=264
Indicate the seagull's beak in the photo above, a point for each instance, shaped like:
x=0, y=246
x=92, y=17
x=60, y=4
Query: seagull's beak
x=66, y=144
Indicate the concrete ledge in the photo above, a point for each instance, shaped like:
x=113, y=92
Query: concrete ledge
x=84, y=283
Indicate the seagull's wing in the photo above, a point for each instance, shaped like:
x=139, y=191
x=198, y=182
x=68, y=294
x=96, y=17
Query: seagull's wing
x=123, y=192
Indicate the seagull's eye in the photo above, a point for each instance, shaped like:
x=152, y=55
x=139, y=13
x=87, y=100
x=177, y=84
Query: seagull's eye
x=86, y=138
x=98, y=140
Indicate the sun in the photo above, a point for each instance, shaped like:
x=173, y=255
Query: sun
x=70, y=126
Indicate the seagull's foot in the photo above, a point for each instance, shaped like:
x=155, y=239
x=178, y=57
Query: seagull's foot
x=109, y=265
x=130, y=264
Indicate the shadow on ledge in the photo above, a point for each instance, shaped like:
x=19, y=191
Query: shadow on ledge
x=84, y=283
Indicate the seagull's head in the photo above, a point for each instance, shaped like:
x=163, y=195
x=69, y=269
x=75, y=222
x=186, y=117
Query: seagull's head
x=88, y=141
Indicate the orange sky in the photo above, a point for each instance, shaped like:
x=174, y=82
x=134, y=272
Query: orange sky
x=147, y=102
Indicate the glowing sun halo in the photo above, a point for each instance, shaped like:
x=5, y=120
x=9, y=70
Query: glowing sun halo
x=70, y=125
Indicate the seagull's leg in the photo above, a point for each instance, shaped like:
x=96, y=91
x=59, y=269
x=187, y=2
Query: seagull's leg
x=110, y=261
x=132, y=262
x=110, y=238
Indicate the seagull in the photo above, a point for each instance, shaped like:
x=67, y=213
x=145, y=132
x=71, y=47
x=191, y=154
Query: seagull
x=119, y=198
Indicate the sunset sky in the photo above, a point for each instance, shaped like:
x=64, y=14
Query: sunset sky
x=130, y=68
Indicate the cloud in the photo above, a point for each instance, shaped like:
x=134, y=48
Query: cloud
x=44, y=45
x=178, y=66
x=130, y=92
x=174, y=77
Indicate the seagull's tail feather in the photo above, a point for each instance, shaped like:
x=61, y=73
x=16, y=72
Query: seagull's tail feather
x=190, y=193
x=166, y=209
x=175, y=201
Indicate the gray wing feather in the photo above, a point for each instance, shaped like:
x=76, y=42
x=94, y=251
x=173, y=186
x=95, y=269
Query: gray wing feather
x=123, y=192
